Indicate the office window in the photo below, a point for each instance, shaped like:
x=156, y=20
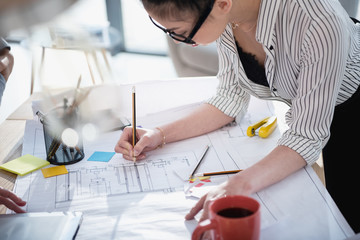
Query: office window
x=140, y=35
x=87, y=12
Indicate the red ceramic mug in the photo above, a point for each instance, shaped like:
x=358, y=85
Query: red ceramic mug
x=230, y=218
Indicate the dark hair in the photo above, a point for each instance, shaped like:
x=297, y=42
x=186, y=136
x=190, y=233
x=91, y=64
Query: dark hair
x=175, y=8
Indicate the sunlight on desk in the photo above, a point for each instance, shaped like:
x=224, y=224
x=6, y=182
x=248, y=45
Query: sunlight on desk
x=131, y=202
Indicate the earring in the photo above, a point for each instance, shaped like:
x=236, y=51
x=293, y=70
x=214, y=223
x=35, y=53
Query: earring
x=234, y=25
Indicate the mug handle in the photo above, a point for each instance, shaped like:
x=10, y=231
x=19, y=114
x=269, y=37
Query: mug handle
x=203, y=226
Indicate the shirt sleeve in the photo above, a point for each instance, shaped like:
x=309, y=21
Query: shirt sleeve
x=2, y=86
x=4, y=44
x=230, y=98
x=322, y=67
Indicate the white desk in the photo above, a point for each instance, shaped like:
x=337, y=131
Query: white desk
x=307, y=212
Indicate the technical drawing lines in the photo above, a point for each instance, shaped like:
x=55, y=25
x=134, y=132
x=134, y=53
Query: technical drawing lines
x=125, y=178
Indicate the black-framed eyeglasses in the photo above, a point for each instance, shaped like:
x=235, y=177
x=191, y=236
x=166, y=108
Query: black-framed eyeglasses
x=199, y=23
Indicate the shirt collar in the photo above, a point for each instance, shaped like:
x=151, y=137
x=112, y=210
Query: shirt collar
x=227, y=40
x=265, y=26
x=266, y=21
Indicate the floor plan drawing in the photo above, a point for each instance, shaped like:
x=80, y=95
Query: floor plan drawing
x=114, y=179
x=123, y=200
x=87, y=179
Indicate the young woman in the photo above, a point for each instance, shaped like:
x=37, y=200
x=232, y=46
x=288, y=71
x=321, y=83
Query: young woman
x=304, y=53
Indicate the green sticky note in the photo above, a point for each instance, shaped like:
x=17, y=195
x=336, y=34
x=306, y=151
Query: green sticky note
x=24, y=165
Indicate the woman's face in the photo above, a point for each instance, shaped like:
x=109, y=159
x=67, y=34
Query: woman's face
x=209, y=31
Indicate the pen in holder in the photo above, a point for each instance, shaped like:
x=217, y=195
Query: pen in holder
x=63, y=143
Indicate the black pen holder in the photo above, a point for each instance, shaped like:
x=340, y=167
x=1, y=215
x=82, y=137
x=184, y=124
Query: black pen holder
x=54, y=125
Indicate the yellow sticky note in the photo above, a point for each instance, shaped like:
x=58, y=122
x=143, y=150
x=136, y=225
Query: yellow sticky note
x=24, y=164
x=54, y=171
x=200, y=178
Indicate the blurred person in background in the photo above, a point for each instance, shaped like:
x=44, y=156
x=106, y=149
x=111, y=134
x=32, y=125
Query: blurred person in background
x=6, y=65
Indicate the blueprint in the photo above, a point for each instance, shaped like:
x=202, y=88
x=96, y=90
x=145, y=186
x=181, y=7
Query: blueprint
x=87, y=179
x=146, y=200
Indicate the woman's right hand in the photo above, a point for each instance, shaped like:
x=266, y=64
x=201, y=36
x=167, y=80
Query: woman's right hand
x=147, y=140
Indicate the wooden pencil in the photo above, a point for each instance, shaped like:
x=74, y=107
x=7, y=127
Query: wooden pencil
x=216, y=173
x=133, y=120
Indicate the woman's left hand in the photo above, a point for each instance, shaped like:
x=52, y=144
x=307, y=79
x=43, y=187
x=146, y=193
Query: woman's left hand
x=11, y=201
x=234, y=186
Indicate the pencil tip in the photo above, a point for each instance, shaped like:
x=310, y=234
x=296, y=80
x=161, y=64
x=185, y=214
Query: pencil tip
x=133, y=89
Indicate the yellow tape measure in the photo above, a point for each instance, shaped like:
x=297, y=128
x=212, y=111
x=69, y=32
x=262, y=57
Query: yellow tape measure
x=267, y=126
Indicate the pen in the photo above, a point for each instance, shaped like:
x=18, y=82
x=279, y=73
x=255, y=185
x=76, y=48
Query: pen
x=55, y=144
x=216, y=173
x=198, y=163
x=75, y=104
x=78, y=150
x=72, y=153
x=133, y=120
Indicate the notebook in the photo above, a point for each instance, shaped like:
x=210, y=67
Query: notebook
x=40, y=225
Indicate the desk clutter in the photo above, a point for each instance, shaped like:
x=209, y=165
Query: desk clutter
x=63, y=140
x=67, y=121
x=62, y=134
x=63, y=143
x=148, y=200
x=28, y=163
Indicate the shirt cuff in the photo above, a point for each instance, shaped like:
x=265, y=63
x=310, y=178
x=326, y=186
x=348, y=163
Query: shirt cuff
x=229, y=106
x=309, y=149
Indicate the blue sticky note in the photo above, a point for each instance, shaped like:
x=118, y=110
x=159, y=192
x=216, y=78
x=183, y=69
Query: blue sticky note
x=101, y=156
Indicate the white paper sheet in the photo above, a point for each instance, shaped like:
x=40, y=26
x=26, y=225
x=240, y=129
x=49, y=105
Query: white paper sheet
x=151, y=204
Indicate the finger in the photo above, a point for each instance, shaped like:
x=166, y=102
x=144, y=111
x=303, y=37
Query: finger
x=141, y=156
x=131, y=158
x=123, y=150
x=143, y=143
x=123, y=145
x=8, y=194
x=196, y=209
x=205, y=214
x=7, y=62
x=11, y=62
x=2, y=66
x=126, y=134
x=11, y=205
x=10, y=57
x=209, y=199
x=128, y=157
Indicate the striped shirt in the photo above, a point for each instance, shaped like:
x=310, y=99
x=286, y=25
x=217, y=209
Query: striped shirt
x=312, y=64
